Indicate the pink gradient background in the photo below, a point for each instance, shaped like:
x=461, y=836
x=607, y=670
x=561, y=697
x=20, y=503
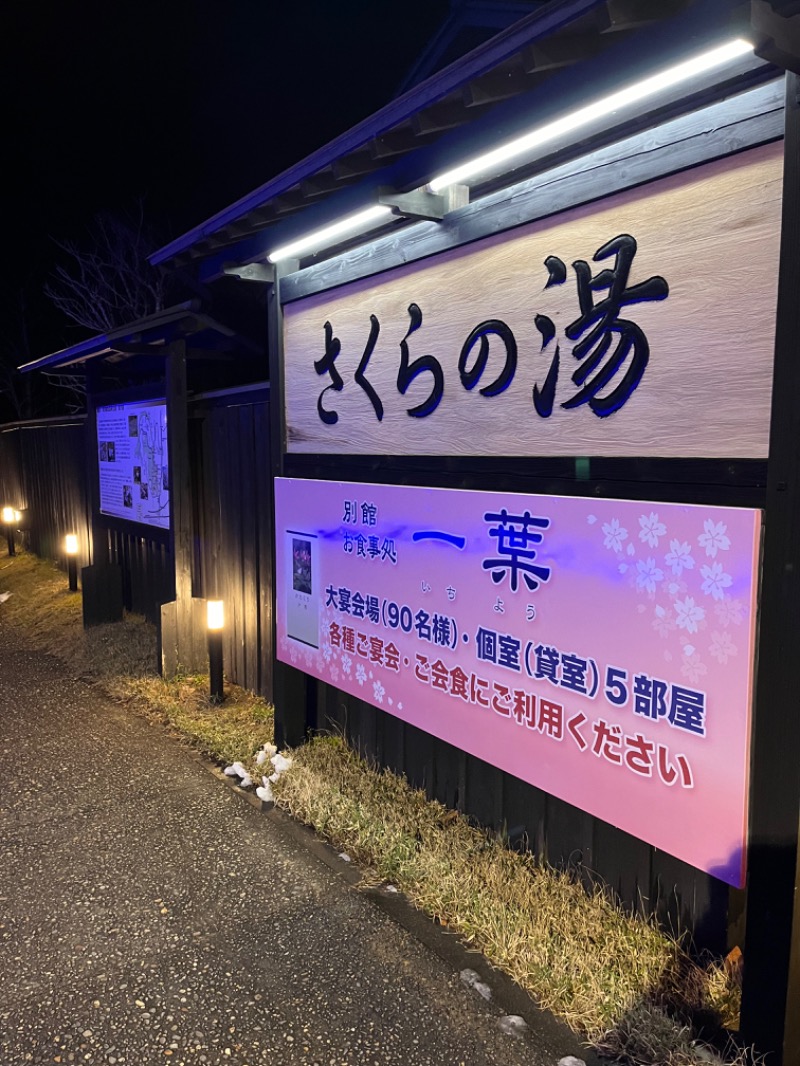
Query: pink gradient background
x=604, y=600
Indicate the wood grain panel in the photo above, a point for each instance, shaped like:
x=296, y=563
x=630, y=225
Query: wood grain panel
x=712, y=232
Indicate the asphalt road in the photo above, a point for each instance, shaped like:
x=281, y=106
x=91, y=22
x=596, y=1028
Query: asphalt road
x=148, y=914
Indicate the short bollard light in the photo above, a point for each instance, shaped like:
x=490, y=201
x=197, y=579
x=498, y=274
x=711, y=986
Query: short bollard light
x=9, y=515
x=215, y=620
x=71, y=548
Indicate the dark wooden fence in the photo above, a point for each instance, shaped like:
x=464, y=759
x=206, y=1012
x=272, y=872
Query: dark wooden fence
x=43, y=473
x=232, y=494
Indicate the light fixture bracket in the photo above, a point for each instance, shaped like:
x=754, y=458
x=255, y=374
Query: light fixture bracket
x=263, y=272
x=424, y=204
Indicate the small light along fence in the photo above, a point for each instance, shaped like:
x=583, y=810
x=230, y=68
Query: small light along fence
x=215, y=621
x=71, y=549
x=11, y=519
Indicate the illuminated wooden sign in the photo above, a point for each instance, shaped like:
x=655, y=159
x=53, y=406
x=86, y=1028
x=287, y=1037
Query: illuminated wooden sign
x=642, y=324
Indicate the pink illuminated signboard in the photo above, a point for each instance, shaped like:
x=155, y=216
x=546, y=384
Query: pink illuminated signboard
x=601, y=650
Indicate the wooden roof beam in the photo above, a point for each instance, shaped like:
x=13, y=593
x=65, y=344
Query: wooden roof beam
x=396, y=142
x=354, y=165
x=631, y=14
x=448, y=114
x=500, y=85
x=561, y=51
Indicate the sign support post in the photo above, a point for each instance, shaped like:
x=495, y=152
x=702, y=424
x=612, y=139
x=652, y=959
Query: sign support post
x=292, y=690
x=770, y=1015
x=183, y=620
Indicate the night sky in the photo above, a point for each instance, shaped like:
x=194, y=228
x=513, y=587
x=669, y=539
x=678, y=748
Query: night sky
x=187, y=103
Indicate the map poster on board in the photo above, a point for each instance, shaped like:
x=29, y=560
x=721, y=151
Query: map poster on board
x=132, y=460
x=601, y=650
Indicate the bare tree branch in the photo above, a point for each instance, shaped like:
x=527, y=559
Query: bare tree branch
x=107, y=281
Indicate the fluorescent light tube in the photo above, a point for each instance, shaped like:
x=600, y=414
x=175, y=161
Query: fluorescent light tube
x=321, y=238
x=640, y=90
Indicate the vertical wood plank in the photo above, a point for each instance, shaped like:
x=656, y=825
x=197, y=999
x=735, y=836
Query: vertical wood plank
x=771, y=992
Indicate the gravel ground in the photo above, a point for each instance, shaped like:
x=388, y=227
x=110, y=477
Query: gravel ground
x=149, y=914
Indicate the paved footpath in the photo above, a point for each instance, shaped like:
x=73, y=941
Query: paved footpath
x=148, y=914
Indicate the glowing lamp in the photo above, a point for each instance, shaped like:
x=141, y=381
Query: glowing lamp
x=215, y=620
x=8, y=520
x=215, y=613
x=351, y=226
x=71, y=549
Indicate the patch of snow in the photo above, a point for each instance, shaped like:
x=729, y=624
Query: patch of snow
x=264, y=792
x=472, y=980
x=512, y=1025
x=281, y=763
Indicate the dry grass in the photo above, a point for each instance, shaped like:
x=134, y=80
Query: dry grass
x=616, y=979
x=123, y=658
x=235, y=730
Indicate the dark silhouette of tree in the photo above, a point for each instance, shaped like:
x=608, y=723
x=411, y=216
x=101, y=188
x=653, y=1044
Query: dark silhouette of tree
x=105, y=280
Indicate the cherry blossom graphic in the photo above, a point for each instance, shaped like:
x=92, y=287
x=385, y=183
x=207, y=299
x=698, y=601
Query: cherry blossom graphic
x=714, y=538
x=378, y=691
x=361, y=673
x=676, y=588
x=679, y=557
x=722, y=646
x=715, y=580
x=334, y=674
x=730, y=612
x=347, y=664
x=651, y=529
x=664, y=621
x=688, y=614
x=327, y=652
x=615, y=534
x=692, y=668
x=648, y=575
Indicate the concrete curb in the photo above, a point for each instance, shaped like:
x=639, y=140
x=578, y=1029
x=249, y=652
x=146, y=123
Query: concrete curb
x=507, y=996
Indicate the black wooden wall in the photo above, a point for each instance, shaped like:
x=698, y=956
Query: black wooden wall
x=43, y=472
x=232, y=494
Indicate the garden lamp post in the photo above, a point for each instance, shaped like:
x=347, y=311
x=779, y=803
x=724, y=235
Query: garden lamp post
x=71, y=548
x=8, y=522
x=215, y=621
